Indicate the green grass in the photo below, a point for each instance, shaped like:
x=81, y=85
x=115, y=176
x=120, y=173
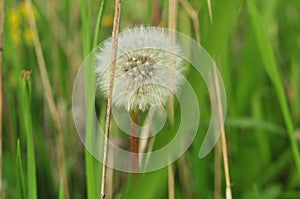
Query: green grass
x=269, y=61
x=256, y=45
x=20, y=174
x=28, y=129
x=61, y=190
x=93, y=167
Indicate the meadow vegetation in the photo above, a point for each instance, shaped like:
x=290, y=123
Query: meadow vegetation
x=256, y=46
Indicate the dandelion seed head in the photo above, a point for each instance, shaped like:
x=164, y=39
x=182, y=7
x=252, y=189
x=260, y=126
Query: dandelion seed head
x=144, y=64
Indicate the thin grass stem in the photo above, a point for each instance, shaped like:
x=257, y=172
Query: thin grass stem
x=171, y=182
x=223, y=138
x=49, y=98
x=172, y=24
x=218, y=171
x=194, y=16
x=111, y=84
x=210, y=11
x=2, y=15
x=20, y=173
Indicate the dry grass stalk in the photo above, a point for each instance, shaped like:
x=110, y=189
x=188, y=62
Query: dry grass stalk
x=172, y=26
x=171, y=182
x=185, y=176
x=223, y=139
x=194, y=16
x=210, y=11
x=172, y=22
x=109, y=100
x=49, y=98
x=218, y=171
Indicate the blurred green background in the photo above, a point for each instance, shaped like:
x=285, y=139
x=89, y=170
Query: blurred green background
x=256, y=45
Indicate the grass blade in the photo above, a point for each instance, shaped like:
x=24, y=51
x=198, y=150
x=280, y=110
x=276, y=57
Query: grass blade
x=61, y=190
x=156, y=183
x=85, y=27
x=31, y=168
x=92, y=165
x=98, y=23
x=20, y=174
x=49, y=96
x=266, y=51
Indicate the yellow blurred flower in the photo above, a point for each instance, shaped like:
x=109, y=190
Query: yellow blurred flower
x=14, y=21
x=23, y=8
x=14, y=18
x=21, y=32
x=15, y=34
x=28, y=36
x=107, y=21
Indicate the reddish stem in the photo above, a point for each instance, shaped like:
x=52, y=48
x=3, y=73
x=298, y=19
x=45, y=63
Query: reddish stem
x=134, y=142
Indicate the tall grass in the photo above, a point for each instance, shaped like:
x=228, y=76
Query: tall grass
x=92, y=165
x=28, y=129
x=20, y=174
x=271, y=67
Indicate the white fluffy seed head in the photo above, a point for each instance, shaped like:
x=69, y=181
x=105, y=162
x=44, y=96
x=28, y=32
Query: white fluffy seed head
x=144, y=66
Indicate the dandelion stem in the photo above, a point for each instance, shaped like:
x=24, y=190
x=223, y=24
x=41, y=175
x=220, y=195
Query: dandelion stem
x=134, y=142
x=1, y=47
x=111, y=82
x=156, y=13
